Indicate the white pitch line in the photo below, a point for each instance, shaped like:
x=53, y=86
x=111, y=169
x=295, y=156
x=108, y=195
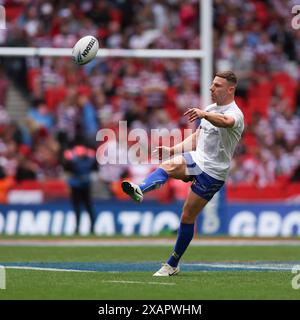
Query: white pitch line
x=147, y=242
x=239, y=266
x=46, y=269
x=140, y=282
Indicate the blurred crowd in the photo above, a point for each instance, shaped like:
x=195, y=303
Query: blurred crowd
x=70, y=103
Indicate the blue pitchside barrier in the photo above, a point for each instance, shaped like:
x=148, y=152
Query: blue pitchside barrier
x=153, y=218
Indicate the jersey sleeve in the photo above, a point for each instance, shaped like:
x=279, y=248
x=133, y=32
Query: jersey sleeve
x=238, y=118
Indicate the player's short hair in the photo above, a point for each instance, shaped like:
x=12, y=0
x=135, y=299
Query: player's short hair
x=229, y=76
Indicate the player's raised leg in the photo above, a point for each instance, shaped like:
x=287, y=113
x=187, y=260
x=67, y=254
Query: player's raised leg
x=174, y=168
x=192, y=207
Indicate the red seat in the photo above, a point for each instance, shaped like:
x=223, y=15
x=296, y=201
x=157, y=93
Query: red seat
x=32, y=75
x=259, y=104
x=292, y=189
x=280, y=190
x=13, y=11
x=54, y=96
x=56, y=189
x=249, y=139
x=289, y=86
x=246, y=109
x=28, y=185
x=261, y=89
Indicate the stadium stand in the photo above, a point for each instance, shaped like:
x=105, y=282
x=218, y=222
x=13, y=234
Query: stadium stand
x=70, y=103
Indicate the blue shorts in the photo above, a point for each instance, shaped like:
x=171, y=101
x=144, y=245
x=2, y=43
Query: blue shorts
x=203, y=184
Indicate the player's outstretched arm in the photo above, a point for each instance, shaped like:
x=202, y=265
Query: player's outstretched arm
x=218, y=120
x=186, y=145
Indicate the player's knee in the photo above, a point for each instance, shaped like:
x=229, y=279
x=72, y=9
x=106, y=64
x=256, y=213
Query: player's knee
x=172, y=169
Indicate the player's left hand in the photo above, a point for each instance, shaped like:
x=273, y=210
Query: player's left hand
x=194, y=114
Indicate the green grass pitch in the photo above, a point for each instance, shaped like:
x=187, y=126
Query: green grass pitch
x=140, y=285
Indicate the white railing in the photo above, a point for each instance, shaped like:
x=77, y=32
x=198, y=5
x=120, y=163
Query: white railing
x=121, y=53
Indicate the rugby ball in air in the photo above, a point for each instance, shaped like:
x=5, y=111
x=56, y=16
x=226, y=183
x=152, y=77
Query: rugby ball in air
x=85, y=50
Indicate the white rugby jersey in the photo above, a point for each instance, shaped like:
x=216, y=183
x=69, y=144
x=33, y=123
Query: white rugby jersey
x=216, y=145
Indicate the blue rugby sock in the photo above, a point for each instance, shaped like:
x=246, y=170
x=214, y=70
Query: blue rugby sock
x=155, y=179
x=184, y=237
